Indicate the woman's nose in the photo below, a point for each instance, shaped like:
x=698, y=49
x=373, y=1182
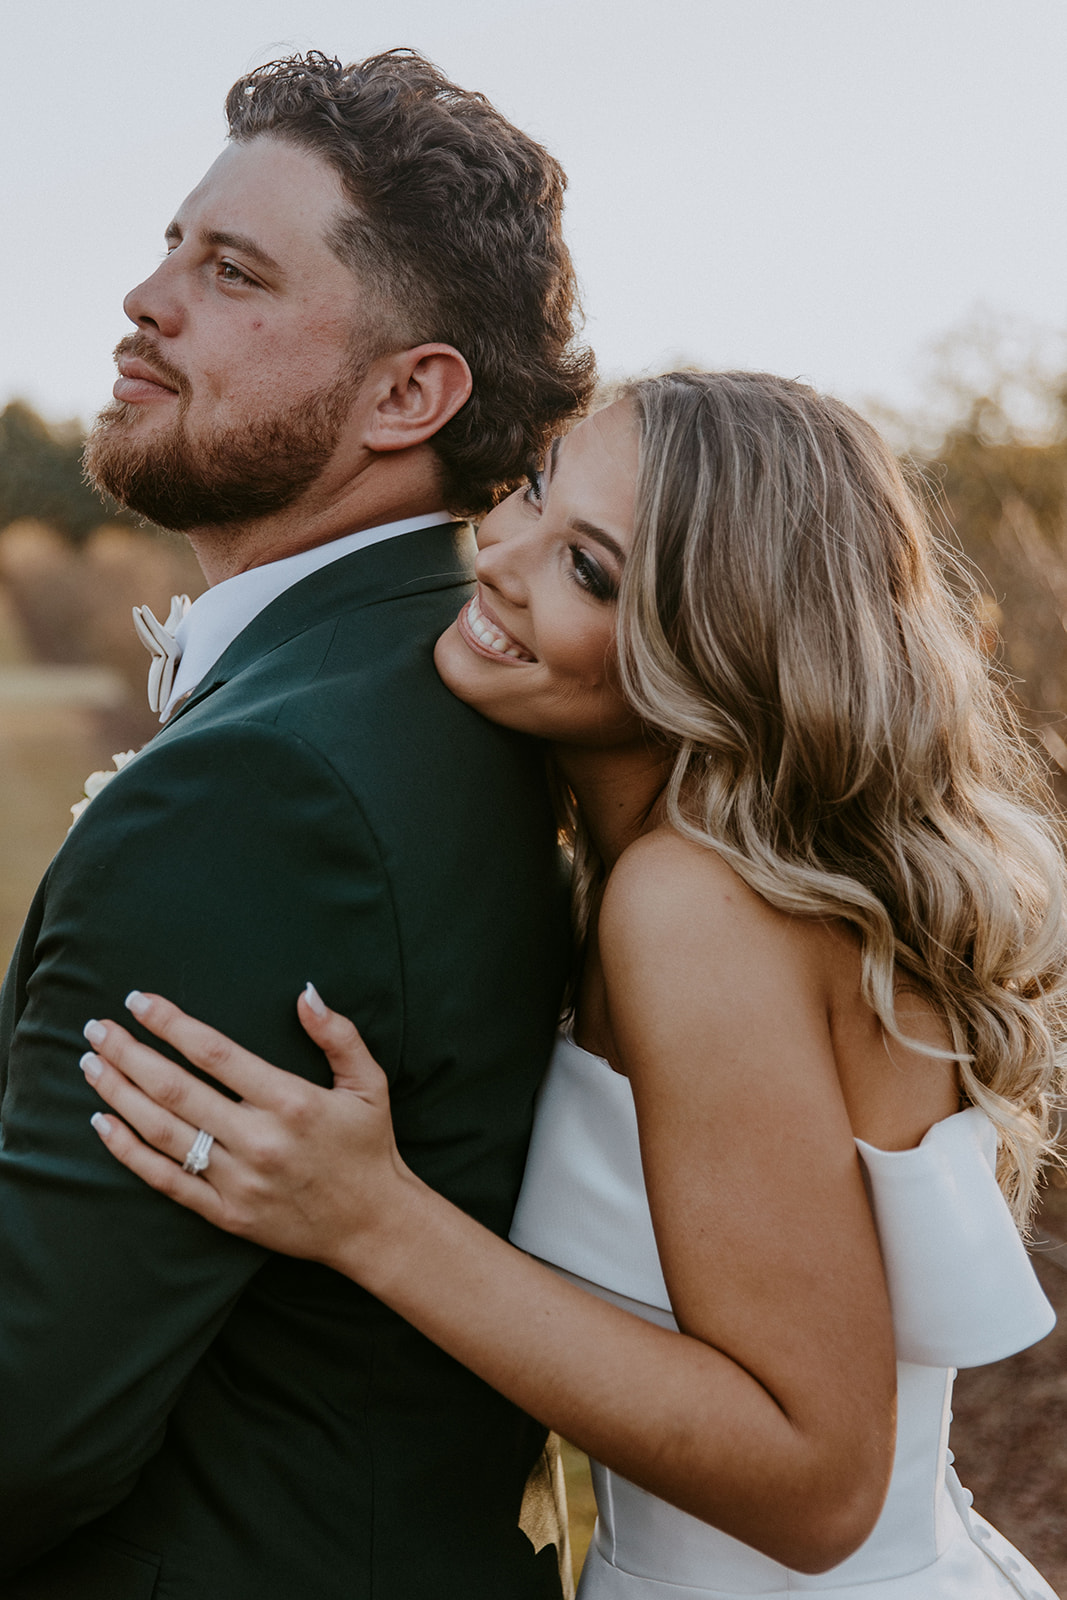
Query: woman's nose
x=500, y=565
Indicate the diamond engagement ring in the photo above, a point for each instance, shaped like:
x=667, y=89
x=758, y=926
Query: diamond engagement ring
x=199, y=1155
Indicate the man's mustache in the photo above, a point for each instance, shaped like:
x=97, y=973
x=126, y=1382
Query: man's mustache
x=140, y=345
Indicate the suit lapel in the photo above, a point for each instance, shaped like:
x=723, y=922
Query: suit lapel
x=430, y=558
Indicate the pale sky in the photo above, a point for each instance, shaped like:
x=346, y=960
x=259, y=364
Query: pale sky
x=818, y=187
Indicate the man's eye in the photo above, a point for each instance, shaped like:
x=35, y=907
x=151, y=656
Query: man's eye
x=534, y=491
x=231, y=274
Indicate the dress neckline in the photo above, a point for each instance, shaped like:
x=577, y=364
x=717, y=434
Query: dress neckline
x=935, y=1132
x=567, y=1035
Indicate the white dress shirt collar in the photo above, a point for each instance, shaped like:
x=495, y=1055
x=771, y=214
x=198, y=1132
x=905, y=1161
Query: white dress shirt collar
x=213, y=621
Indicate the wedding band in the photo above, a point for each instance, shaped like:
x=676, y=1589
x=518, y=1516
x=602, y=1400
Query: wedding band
x=199, y=1155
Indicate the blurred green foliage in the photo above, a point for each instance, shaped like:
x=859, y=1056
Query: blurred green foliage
x=1007, y=500
x=41, y=476
x=990, y=442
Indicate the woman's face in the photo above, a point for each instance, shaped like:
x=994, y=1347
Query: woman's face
x=535, y=648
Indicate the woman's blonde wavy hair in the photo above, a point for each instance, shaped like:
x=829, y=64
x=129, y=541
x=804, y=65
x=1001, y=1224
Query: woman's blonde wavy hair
x=786, y=624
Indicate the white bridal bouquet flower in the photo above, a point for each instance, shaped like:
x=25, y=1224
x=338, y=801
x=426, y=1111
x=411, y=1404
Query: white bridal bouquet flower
x=100, y=780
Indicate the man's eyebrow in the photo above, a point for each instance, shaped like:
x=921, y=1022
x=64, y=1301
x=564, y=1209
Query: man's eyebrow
x=247, y=247
x=222, y=238
x=602, y=537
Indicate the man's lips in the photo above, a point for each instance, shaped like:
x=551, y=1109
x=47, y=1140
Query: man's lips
x=481, y=632
x=138, y=382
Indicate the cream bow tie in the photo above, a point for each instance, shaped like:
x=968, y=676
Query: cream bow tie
x=158, y=639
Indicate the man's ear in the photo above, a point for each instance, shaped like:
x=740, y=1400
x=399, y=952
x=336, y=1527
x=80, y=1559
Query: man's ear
x=413, y=394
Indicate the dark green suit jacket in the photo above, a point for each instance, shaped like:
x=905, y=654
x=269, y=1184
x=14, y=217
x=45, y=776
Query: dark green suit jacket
x=183, y=1414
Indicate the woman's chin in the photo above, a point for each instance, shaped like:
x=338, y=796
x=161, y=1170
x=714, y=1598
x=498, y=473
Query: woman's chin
x=472, y=680
x=458, y=671
x=448, y=655
x=515, y=695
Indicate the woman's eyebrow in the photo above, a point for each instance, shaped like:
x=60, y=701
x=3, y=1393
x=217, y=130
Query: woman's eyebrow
x=601, y=536
x=606, y=540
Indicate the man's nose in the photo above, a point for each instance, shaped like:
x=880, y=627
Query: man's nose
x=154, y=303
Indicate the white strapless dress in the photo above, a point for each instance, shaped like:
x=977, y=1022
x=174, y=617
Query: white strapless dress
x=963, y=1293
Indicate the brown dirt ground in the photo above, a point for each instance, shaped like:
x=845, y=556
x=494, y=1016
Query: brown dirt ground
x=1009, y=1429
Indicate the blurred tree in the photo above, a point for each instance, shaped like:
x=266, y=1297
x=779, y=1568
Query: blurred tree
x=992, y=447
x=1007, y=500
x=41, y=477
x=990, y=439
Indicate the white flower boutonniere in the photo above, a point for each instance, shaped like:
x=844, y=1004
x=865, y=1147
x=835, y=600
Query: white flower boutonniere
x=100, y=780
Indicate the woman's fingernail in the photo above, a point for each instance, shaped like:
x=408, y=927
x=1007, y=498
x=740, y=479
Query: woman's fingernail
x=95, y=1032
x=91, y=1065
x=101, y=1124
x=137, y=1002
x=314, y=1000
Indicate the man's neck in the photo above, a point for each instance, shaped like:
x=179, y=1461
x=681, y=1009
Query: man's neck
x=325, y=512
x=226, y=550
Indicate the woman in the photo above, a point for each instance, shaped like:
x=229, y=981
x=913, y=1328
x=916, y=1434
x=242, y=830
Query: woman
x=819, y=911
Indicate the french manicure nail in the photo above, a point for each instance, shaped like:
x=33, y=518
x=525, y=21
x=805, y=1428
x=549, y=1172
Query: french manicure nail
x=91, y=1065
x=314, y=1000
x=101, y=1124
x=95, y=1032
x=137, y=1002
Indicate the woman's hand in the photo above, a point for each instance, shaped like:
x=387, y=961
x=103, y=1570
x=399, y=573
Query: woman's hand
x=300, y=1169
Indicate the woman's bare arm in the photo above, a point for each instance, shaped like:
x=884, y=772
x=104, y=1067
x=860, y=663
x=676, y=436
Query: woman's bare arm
x=771, y=1414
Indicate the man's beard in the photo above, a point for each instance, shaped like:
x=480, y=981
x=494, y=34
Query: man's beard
x=235, y=475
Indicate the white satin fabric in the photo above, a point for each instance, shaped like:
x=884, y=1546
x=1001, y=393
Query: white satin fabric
x=963, y=1293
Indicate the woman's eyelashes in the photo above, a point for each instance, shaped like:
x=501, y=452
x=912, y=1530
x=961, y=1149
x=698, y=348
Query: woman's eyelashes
x=587, y=572
x=590, y=575
x=533, y=494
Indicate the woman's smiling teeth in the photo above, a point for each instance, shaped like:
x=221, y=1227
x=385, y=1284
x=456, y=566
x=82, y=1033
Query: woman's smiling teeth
x=490, y=636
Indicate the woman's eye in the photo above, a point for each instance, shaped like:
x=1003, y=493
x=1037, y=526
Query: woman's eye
x=590, y=575
x=533, y=492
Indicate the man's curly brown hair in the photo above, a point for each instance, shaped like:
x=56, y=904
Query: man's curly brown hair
x=455, y=224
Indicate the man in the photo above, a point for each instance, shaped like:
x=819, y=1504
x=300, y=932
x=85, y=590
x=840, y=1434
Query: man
x=366, y=314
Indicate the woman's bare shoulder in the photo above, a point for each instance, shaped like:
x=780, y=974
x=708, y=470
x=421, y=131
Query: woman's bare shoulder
x=665, y=887
x=689, y=950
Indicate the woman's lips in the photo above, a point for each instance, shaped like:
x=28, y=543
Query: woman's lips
x=486, y=638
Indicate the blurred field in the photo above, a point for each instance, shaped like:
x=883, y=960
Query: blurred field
x=46, y=752
x=72, y=678
x=72, y=694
